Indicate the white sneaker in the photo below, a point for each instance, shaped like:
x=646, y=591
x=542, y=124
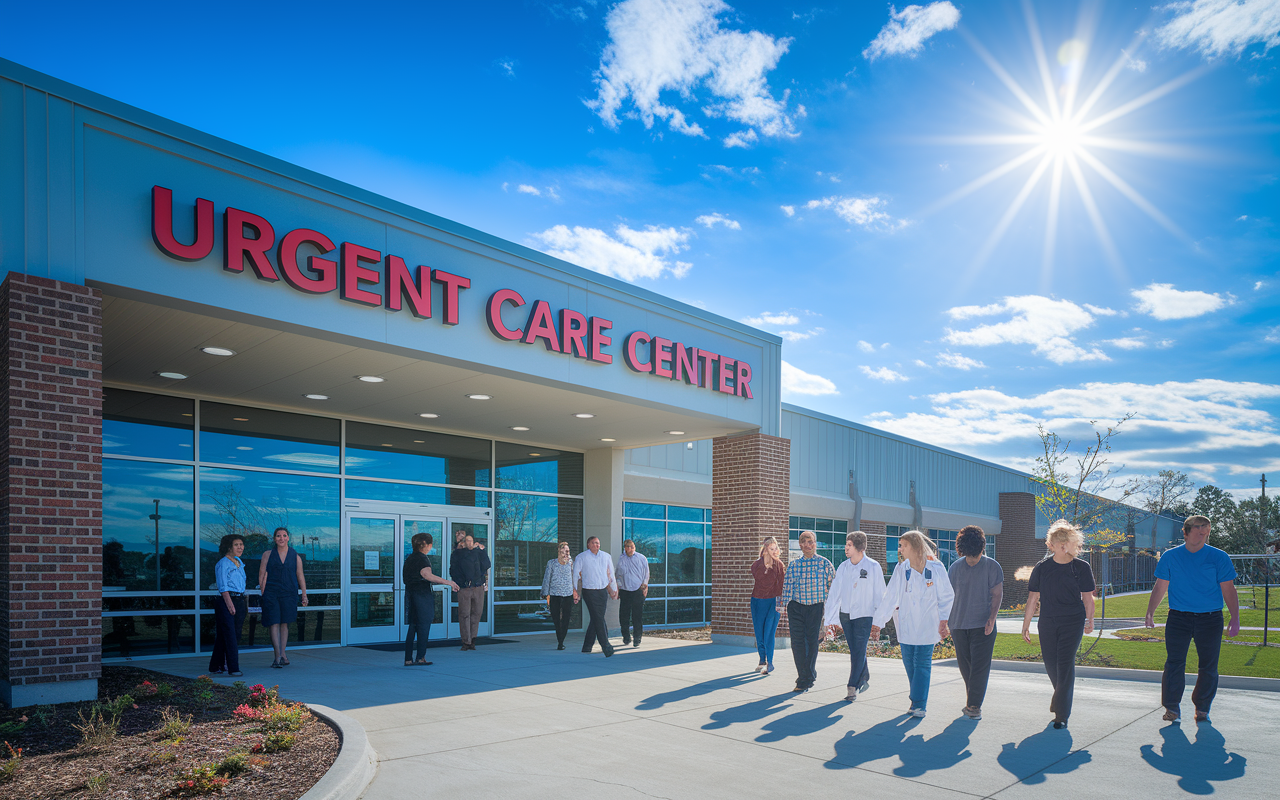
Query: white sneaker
x=852, y=694
x=917, y=712
x=761, y=668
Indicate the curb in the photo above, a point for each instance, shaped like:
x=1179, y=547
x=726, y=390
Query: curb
x=354, y=768
x=1141, y=675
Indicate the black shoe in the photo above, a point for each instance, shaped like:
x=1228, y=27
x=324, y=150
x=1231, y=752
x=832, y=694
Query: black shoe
x=1059, y=724
x=586, y=651
x=236, y=674
x=626, y=640
x=560, y=646
x=636, y=643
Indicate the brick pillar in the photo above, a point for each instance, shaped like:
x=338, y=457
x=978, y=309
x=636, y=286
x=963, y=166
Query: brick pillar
x=750, y=499
x=50, y=491
x=1017, y=548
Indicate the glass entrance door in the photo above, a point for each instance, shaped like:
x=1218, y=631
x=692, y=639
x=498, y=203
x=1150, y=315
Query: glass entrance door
x=479, y=531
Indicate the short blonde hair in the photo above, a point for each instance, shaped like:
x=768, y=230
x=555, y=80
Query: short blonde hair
x=1066, y=533
x=920, y=543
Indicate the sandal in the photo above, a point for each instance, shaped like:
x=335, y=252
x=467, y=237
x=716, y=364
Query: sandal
x=408, y=663
x=276, y=664
x=422, y=663
x=284, y=662
x=1202, y=716
x=1171, y=716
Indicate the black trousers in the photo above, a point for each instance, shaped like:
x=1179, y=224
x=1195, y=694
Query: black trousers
x=596, y=600
x=1180, y=630
x=631, y=614
x=420, y=607
x=1059, y=640
x=806, y=631
x=226, y=639
x=973, y=656
x=561, y=611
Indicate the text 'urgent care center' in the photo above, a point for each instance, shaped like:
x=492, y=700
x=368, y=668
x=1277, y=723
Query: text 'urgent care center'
x=200, y=340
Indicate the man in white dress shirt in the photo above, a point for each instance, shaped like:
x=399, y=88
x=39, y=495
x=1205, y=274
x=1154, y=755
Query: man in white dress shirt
x=593, y=577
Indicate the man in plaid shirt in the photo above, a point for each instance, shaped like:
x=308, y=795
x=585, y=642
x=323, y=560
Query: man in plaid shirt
x=804, y=590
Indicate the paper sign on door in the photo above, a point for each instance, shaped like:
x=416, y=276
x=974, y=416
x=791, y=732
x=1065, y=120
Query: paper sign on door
x=371, y=560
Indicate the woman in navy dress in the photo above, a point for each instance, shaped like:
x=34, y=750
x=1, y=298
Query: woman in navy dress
x=279, y=579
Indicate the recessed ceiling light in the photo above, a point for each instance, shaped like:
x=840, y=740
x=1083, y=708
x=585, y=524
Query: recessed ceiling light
x=384, y=444
x=535, y=454
x=608, y=440
x=429, y=416
x=316, y=396
x=480, y=396
x=217, y=351
x=584, y=416
x=676, y=433
x=242, y=447
x=188, y=415
x=241, y=419
x=419, y=441
x=370, y=378
x=173, y=376
x=519, y=428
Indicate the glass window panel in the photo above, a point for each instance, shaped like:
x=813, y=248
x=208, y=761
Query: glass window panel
x=891, y=554
x=529, y=530
x=411, y=493
x=381, y=451
x=645, y=510
x=684, y=514
x=827, y=549
x=149, y=603
x=708, y=515
x=656, y=591
x=706, y=560
x=651, y=541
x=536, y=469
x=684, y=552
x=655, y=611
x=134, y=558
x=371, y=609
x=314, y=600
x=794, y=523
x=684, y=612
x=133, y=636
x=373, y=551
x=806, y=523
x=706, y=604
x=824, y=524
x=686, y=591
x=147, y=425
x=313, y=627
x=261, y=438
x=842, y=526
x=533, y=616
x=254, y=504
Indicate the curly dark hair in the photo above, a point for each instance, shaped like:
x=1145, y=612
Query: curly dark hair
x=971, y=541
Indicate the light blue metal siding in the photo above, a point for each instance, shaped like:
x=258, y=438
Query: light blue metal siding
x=823, y=450
x=675, y=457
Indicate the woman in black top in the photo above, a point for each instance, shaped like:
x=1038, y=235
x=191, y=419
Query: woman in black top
x=420, y=606
x=1062, y=586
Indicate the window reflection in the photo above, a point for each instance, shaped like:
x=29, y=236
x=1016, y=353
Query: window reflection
x=148, y=526
x=261, y=438
x=411, y=493
x=131, y=636
x=684, y=552
x=254, y=504
x=381, y=451
x=650, y=539
x=147, y=425
x=529, y=529
x=536, y=469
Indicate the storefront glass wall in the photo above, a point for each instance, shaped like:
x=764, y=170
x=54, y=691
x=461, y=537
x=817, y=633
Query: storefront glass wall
x=677, y=542
x=254, y=470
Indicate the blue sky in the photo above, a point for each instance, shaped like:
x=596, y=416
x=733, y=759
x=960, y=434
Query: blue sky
x=964, y=219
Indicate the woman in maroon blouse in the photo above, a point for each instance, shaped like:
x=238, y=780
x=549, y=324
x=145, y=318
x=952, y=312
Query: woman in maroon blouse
x=768, y=572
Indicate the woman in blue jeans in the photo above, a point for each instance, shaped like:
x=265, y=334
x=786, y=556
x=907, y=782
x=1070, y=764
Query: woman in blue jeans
x=854, y=596
x=921, y=593
x=768, y=572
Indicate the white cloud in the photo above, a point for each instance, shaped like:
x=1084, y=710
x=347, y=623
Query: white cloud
x=1165, y=343
x=743, y=139
x=1162, y=301
x=771, y=318
x=1135, y=64
x=866, y=347
x=1272, y=337
x=797, y=381
x=659, y=46
x=959, y=362
x=711, y=220
x=1203, y=426
x=1127, y=343
x=906, y=31
x=883, y=374
x=864, y=211
x=1242, y=218
x=790, y=211
x=1258, y=285
x=918, y=363
x=1098, y=311
x=525, y=188
x=509, y=67
x=1222, y=27
x=799, y=336
x=1044, y=323
x=630, y=254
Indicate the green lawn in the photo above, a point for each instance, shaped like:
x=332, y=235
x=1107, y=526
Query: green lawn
x=1273, y=638
x=1251, y=612
x=1260, y=662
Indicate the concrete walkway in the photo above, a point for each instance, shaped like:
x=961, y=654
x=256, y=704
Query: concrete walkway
x=689, y=720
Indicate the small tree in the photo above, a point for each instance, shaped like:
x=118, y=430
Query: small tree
x=1075, y=489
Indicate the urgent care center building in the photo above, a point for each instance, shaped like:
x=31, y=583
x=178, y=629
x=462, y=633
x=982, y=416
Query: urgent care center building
x=199, y=340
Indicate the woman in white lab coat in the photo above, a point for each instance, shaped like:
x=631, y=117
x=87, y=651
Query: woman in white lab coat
x=921, y=594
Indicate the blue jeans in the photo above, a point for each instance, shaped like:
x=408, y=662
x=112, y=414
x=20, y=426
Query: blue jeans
x=1179, y=631
x=765, y=616
x=918, y=659
x=856, y=633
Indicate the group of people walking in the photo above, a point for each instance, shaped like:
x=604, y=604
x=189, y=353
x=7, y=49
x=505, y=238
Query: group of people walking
x=592, y=579
x=929, y=602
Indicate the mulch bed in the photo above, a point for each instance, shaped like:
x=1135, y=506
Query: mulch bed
x=687, y=634
x=138, y=764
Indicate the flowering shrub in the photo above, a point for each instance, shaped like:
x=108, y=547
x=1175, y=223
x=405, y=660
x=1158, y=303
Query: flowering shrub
x=10, y=766
x=203, y=779
x=274, y=717
x=153, y=691
x=274, y=743
x=260, y=695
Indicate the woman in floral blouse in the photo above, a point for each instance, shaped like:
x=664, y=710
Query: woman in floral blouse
x=557, y=590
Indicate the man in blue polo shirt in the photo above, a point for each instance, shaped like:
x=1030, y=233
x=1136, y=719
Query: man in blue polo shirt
x=1197, y=577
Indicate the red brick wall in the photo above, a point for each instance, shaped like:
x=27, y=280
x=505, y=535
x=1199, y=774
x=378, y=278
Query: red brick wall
x=1017, y=548
x=876, y=543
x=50, y=481
x=750, y=499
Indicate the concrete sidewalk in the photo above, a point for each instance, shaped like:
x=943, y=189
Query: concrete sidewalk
x=680, y=719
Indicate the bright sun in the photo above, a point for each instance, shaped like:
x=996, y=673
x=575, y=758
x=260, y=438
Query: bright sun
x=1059, y=127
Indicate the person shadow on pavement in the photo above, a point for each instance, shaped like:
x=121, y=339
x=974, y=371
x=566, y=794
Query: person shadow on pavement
x=1041, y=754
x=894, y=737
x=748, y=712
x=1196, y=763
x=800, y=723
x=657, y=701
